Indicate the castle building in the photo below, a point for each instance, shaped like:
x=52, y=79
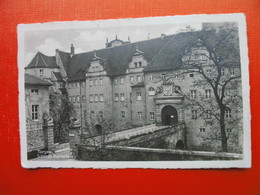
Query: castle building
x=36, y=105
x=141, y=83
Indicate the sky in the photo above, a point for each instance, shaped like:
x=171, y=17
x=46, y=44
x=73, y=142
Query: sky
x=88, y=39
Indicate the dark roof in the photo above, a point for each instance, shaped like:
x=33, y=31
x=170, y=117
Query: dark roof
x=42, y=61
x=117, y=58
x=170, y=55
x=65, y=58
x=33, y=80
x=58, y=76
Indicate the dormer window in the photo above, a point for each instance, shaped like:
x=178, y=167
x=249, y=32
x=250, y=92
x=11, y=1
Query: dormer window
x=232, y=72
x=140, y=64
x=116, y=81
x=136, y=64
x=41, y=72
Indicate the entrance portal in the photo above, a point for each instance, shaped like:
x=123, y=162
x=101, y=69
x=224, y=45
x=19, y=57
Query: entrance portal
x=180, y=145
x=169, y=115
x=98, y=129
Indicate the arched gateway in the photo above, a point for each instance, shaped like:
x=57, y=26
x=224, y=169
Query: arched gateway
x=169, y=115
x=98, y=129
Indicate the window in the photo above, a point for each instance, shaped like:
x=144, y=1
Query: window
x=232, y=72
x=191, y=75
x=138, y=96
x=83, y=84
x=208, y=114
x=100, y=81
x=101, y=97
x=208, y=71
x=202, y=130
x=194, y=114
x=116, y=81
x=136, y=65
x=35, y=112
x=96, y=97
x=74, y=99
x=41, y=72
x=90, y=83
x=229, y=130
x=34, y=91
x=122, y=80
x=74, y=85
x=139, y=115
x=70, y=99
x=123, y=114
x=95, y=82
x=78, y=98
x=83, y=98
x=131, y=79
x=91, y=99
x=222, y=71
x=139, y=78
x=151, y=115
x=150, y=77
x=228, y=113
x=116, y=97
x=193, y=94
x=100, y=114
x=122, y=97
x=140, y=64
x=208, y=93
x=151, y=91
x=163, y=76
x=92, y=112
x=78, y=85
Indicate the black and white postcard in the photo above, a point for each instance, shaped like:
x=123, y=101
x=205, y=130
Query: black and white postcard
x=157, y=92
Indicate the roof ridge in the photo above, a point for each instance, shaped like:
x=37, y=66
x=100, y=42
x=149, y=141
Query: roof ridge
x=44, y=61
x=108, y=48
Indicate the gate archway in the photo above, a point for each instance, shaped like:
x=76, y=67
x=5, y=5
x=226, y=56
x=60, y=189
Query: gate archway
x=180, y=145
x=98, y=129
x=169, y=115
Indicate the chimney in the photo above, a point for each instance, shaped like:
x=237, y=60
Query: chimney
x=72, y=50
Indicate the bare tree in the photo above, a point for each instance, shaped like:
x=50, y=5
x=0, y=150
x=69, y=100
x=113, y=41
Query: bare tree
x=212, y=57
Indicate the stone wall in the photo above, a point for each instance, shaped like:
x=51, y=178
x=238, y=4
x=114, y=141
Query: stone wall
x=123, y=153
x=35, y=136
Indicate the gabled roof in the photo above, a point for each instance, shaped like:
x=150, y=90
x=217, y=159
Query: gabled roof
x=58, y=76
x=117, y=58
x=33, y=80
x=42, y=61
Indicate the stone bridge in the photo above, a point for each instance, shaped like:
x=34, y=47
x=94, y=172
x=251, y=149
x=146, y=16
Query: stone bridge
x=137, y=136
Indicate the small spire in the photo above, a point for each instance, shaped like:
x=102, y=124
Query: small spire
x=129, y=38
x=136, y=48
x=107, y=39
x=116, y=36
x=72, y=50
x=95, y=54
